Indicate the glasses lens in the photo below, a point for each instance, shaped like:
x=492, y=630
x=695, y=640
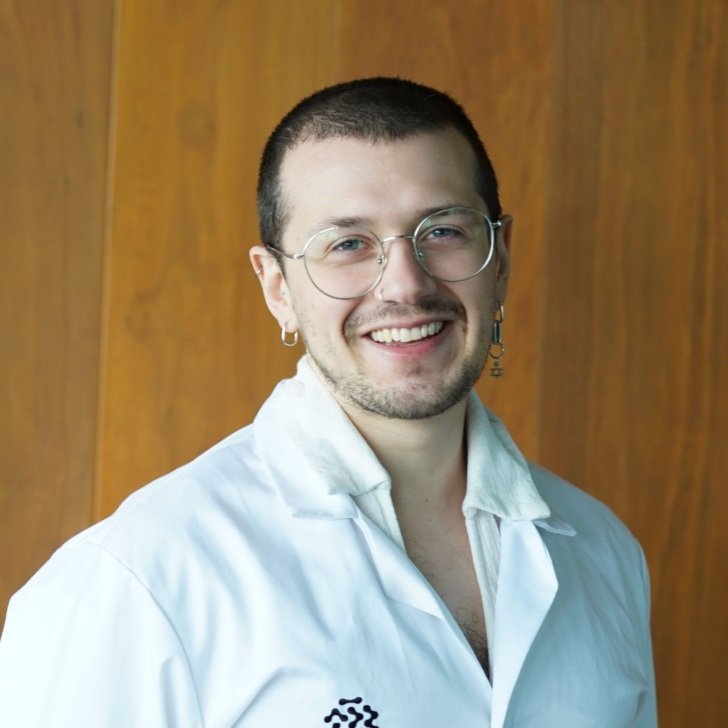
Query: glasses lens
x=455, y=244
x=344, y=262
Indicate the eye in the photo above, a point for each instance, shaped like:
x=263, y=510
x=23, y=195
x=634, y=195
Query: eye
x=345, y=248
x=350, y=245
x=442, y=231
x=441, y=236
x=353, y=245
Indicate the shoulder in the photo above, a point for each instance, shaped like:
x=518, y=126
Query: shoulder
x=575, y=506
x=183, y=526
x=601, y=542
x=217, y=480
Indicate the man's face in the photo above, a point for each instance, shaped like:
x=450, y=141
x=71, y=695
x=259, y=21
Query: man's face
x=387, y=187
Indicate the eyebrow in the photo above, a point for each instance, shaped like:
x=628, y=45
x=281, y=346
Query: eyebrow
x=357, y=221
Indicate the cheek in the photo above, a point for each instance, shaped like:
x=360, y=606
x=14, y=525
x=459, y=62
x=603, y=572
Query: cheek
x=327, y=312
x=321, y=317
x=479, y=298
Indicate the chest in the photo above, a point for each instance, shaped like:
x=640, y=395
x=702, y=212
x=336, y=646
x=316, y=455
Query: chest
x=446, y=561
x=318, y=625
x=315, y=612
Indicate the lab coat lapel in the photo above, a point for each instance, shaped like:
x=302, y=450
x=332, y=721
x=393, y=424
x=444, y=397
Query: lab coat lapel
x=400, y=579
x=316, y=457
x=526, y=589
x=321, y=460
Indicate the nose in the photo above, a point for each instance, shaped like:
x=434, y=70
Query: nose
x=404, y=280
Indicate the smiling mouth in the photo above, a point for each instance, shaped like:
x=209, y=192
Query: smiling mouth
x=416, y=333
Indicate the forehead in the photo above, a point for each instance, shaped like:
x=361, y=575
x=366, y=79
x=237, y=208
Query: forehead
x=376, y=181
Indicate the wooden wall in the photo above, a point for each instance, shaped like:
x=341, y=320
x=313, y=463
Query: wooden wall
x=132, y=333
x=55, y=86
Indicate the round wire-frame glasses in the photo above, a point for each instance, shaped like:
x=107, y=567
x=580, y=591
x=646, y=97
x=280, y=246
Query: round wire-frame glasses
x=451, y=245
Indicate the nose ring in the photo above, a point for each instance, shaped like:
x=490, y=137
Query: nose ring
x=380, y=294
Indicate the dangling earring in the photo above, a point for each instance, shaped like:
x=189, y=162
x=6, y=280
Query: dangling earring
x=496, y=349
x=284, y=337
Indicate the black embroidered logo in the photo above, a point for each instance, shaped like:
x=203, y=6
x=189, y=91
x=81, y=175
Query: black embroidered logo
x=351, y=717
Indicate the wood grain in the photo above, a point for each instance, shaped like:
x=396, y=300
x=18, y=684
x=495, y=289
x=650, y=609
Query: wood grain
x=191, y=351
x=634, y=386
x=54, y=88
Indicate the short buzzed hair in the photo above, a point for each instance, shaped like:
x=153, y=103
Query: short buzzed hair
x=371, y=109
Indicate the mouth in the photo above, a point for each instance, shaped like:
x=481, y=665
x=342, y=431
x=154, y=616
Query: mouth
x=405, y=335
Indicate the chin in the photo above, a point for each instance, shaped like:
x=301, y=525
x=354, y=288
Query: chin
x=412, y=398
x=409, y=402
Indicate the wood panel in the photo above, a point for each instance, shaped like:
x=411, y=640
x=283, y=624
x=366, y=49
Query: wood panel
x=54, y=86
x=635, y=396
x=497, y=66
x=190, y=349
x=606, y=122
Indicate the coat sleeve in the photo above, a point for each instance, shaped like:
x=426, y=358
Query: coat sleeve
x=86, y=644
x=647, y=714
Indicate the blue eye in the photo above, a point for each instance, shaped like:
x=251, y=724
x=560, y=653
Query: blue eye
x=353, y=246
x=443, y=231
x=441, y=235
x=349, y=244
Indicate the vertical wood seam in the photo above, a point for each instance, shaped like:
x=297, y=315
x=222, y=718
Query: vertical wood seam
x=96, y=486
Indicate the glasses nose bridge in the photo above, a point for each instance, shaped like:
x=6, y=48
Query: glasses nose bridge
x=411, y=237
x=416, y=253
x=396, y=237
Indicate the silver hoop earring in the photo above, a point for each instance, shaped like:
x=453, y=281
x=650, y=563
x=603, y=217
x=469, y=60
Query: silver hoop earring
x=496, y=350
x=284, y=337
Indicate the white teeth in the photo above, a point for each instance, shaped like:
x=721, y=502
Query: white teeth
x=387, y=336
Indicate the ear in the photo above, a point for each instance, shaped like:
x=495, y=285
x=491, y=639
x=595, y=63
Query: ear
x=503, y=257
x=275, y=288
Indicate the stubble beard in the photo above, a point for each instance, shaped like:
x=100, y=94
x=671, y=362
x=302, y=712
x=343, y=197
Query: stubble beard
x=411, y=399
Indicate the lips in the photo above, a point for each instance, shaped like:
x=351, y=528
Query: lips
x=405, y=335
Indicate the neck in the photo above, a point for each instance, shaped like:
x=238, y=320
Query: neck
x=426, y=459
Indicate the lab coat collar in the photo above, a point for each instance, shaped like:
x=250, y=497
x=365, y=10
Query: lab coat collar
x=303, y=423
x=556, y=525
x=499, y=480
x=323, y=459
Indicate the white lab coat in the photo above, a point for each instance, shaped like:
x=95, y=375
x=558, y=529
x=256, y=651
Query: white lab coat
x=245, y=589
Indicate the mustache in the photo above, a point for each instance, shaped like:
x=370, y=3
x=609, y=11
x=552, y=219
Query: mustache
x=429, y=306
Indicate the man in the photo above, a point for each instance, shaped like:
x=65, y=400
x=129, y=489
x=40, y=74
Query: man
x=373, y=550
